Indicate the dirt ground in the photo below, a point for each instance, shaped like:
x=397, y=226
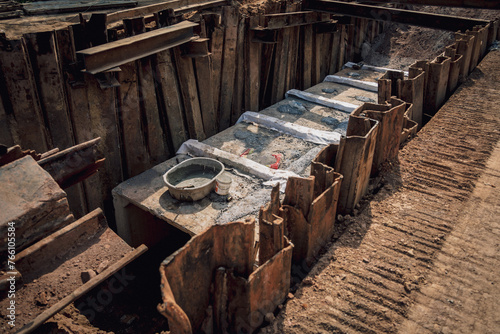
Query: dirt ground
x=401, y=45
x=422, y=256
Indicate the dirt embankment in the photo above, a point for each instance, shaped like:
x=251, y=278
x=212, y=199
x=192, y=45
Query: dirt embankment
x=401, y=45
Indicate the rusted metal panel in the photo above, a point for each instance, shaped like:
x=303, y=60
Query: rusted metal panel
x=390, y=118
x=428, y=20
x=190, y=270
x=356, y=160
x=210, y=282
x=104, y=57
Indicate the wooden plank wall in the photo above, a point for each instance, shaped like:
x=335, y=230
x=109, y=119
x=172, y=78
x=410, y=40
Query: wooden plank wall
x=145, y=111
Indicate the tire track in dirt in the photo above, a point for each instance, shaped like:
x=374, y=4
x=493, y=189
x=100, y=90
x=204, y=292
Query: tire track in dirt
x=408, y=262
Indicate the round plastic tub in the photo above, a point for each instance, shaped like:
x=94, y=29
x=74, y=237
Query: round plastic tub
x=193, y=179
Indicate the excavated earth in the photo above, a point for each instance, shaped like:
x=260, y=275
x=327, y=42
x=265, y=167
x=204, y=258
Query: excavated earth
x=422, y=254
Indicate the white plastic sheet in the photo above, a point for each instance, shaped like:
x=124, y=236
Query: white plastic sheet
x=321, y=100
x=271, y=176
x=366, y=85
x=298, y=131
x=373, y=68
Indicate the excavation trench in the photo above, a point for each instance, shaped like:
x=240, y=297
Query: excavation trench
x=305, y=134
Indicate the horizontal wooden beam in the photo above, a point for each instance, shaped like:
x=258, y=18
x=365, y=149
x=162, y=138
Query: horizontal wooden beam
x=106, y=56
x=485, y=4
x=428, y=20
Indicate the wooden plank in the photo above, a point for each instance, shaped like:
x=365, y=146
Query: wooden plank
x=239, y=86
x=343, y=38
x=84, y=289
x=325, y=55
x=350, y=42
x=65, y=56
x=217, y=47
x=230, y=21
x=254, y=74
x=334, y=53
x=280, y=66
x=231, y=247
x=78, y=105
x=6, y=122
x=418, y=18
x=104, y=124
x=169, y=85
x=293, y=53
x=134, y=148
x=204, y=72
x=155, y=137
x=268, y=60
x=49, y=80
x=308, y=56
x=316, y=63
x=299, y=193
x=189, y=91
x=62, y=240
x=23, y=96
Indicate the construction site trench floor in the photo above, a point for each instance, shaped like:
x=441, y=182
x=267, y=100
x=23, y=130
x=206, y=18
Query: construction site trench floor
x=422, y=254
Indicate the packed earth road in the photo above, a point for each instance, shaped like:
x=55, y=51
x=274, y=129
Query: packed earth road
x=422, y=253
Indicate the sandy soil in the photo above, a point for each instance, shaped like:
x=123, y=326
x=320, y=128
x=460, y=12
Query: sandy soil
x=401, y=45
x=421, y=256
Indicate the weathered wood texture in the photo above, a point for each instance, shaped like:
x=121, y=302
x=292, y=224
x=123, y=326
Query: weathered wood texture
x=32, y=200
x=222, y=259
x=70, y=166
x=410, y=127
x=147, y=108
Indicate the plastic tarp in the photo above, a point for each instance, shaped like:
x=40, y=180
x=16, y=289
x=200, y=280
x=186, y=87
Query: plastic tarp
x=321, y=100
x=366, y=85
x=298, y=131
